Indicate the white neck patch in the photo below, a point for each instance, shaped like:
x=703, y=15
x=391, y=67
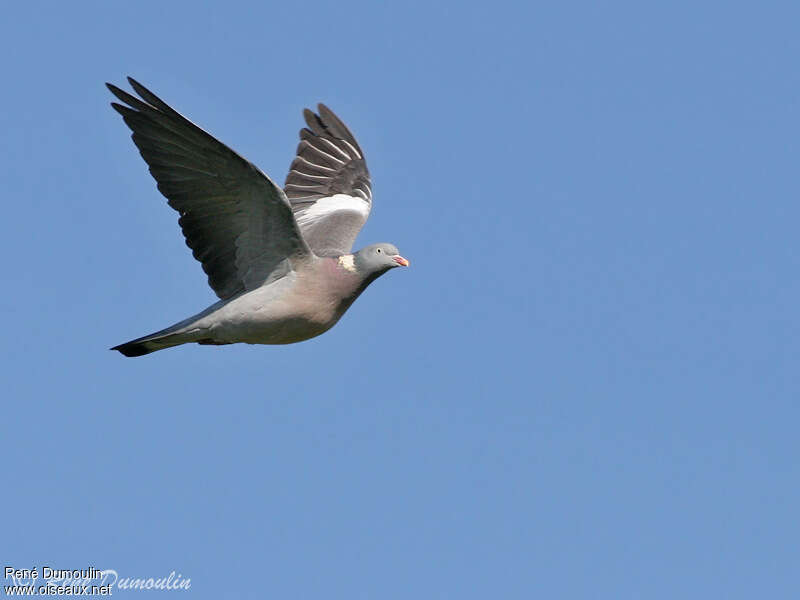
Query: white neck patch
x=348, y=262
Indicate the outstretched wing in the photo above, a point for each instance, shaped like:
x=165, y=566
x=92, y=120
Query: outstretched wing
x=237, y=222
x=328, y=184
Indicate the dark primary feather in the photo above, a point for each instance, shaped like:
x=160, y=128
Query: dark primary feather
x=329, y=161
x=237, y=222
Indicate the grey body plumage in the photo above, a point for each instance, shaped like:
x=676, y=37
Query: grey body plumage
x=279, y=261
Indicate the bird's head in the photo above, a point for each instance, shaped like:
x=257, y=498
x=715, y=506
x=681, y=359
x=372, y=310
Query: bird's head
x=378, y=258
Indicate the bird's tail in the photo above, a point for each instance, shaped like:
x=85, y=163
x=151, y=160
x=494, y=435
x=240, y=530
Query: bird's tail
x=150, y=343
x=146, y=345
x=175, y=335
x=184, y=332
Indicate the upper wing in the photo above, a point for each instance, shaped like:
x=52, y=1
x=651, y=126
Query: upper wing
x=237, y=222
x=328, y=184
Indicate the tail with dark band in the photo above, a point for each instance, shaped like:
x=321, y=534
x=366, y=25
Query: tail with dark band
x=184, y=332
x=146, y=345
x=166, y=338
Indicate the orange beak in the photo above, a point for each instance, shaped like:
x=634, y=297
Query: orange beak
x=400, y=261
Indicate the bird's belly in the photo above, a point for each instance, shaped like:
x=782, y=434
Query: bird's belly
x=286, y=331
x=252, y=322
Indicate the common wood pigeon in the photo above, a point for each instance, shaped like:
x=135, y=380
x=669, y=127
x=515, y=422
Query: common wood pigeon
x=279, y=260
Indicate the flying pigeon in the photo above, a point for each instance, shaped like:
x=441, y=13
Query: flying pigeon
x=280, y=260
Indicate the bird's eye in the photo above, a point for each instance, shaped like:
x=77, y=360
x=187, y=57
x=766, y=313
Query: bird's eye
x=379, y=250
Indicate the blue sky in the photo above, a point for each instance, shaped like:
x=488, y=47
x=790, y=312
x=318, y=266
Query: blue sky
x=585, y=386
